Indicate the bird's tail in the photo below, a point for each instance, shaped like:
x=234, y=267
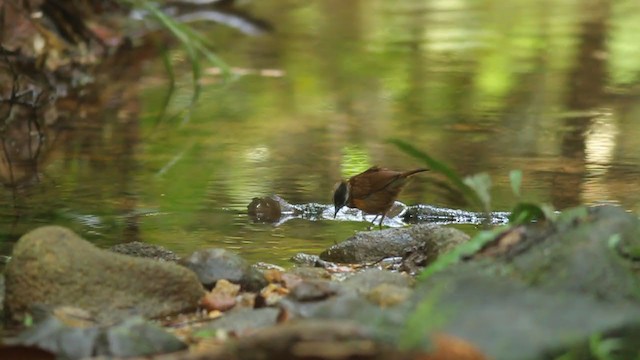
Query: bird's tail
x=411, y=172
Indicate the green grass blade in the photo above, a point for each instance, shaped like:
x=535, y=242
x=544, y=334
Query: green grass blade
x=465, y=249
x=515, y=179
x=441, y=168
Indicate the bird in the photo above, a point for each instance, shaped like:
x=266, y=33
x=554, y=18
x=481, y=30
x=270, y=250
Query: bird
x=373, y=191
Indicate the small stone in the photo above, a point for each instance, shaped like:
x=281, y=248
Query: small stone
x=314, y=290
x=211, y=265
x=272, y=293
x=290, y=281
x=222, y=297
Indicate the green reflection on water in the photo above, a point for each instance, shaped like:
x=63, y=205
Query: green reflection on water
x=485, y=86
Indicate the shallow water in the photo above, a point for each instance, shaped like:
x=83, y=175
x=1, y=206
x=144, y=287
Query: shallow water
x=551, y=88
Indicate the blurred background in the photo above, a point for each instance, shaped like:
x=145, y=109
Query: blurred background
x=318, y=87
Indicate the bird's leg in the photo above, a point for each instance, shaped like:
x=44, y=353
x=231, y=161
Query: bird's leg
x=374, y=219
x=381, y=220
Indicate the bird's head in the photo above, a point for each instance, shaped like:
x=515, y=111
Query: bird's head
x=340, y=196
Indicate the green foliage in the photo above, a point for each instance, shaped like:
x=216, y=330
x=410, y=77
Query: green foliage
x=515, y=179
x=465, y=249
x=481, y=185
x=27, y=321
x=603, y=349
x=597, y=348
x=477, y=189
x=525, y=212
x=439, y=167
x=425, y=318
x=194, y=43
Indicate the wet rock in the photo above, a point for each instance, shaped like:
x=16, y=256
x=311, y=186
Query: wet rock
x=530, y=323
x=265, y=209
x=211, y=265
x=376, y=245
x=52, y=265
x=314, y=290
x=263, y=266
x=367, y=280
x=144, y=250
x=308, y=273
x=585, y=253
x=314, y=260
x=305, y=259
x=243, y=321
x=427, y=213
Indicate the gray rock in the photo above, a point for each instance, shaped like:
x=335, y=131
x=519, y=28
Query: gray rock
x=558, y=285
x=376, y=245
x=305, y=259
x=244, y=320
x=53, y=266
x=307, y=272
x=314, y=290
x=211, y=265
x=144, y=250
x=367, y=280
x=316, y=339
x=506, y=319
x=133, y=337
x=584, y=254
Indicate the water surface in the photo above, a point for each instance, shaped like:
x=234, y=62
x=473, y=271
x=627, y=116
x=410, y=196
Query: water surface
x=551, y=88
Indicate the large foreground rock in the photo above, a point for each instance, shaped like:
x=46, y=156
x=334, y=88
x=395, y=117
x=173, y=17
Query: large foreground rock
x=376, y=245
x=53, y=266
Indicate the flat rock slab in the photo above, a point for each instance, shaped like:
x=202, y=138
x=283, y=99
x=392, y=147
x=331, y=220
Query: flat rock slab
x=53, y=266
x=509, y=320
x=376, y=245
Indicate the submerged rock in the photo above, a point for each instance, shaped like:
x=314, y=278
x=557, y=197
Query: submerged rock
x=144, y=250
x=211, y=265
x=266, y=209
x=376, y=245
x=53, y=266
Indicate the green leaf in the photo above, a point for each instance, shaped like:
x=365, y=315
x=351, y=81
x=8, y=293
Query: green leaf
x=481, y=184
x=425, y=319
x=602, y=348
x=515, y=178
x=439, y=167
x=465, y=249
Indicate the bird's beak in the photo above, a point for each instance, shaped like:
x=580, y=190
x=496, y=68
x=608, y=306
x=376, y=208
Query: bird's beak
x=336, y=213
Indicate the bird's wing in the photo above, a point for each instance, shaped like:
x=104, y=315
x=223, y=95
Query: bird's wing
x=373, y=180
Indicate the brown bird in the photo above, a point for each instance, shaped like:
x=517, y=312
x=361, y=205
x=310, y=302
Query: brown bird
x=373, y=191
